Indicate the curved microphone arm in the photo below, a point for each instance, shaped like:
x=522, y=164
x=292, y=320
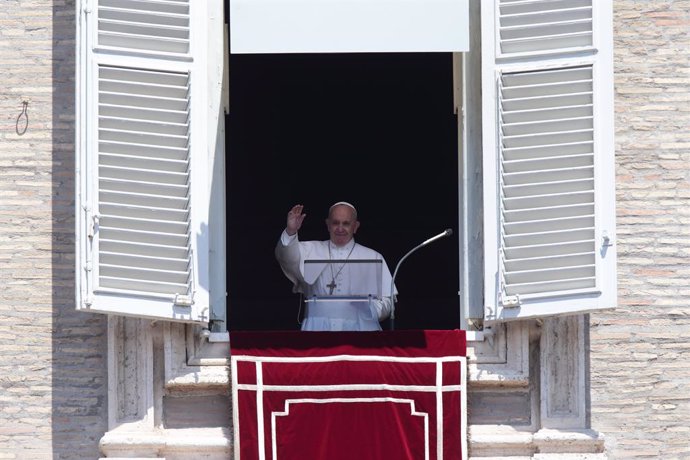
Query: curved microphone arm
x=447, y=232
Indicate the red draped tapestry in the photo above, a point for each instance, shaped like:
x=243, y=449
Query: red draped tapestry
x=349, y=395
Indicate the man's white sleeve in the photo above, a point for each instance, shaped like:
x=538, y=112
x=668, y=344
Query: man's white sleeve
x=289, y=257
x=383, y=307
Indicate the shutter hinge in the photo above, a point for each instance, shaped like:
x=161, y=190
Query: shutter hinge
x=510, y=301
x=606, y=239
x=91, y=222
x=88, y=301
x=183, y=300
x=93, y=226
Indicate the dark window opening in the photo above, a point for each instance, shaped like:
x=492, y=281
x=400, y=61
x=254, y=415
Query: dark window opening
x=377, y=130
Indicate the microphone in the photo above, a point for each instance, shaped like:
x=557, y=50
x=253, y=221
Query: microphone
x=445, y=233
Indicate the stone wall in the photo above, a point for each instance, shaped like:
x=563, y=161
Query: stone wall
x=640, y=352
x=53, y=374
x=53, y=386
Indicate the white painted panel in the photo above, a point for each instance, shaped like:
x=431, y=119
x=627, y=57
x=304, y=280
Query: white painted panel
x=148, y=26
x=348, y=26
x=544, y=26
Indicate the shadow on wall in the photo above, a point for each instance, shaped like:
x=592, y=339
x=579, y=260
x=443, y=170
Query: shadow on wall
x=79, y=345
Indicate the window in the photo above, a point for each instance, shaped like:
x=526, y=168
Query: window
x=537, y=202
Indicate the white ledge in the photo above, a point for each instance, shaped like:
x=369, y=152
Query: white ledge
x=495, y=378
x=214, y=443
x=223, y=337
x=474, y=336
x=505, y=441
x=571, y=441
x=201, y=376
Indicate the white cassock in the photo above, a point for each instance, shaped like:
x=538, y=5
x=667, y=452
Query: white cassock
x=334, y=315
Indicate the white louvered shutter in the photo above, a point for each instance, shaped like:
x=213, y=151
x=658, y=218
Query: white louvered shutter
x=142, y=230
x=548, y=157
x=543, y=26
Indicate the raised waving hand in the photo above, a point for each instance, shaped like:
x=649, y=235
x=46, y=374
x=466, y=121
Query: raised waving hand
x=294, y=219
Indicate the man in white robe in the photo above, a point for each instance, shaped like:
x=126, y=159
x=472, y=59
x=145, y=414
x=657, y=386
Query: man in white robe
x=337, y=279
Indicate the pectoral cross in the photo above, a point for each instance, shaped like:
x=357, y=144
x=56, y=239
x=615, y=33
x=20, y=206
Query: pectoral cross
x=331, y=286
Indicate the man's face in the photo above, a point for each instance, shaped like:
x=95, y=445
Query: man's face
x=341, y=225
